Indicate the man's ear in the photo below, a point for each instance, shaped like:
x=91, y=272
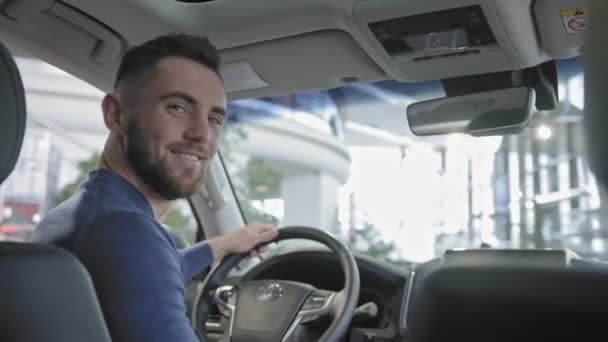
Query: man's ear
x=113, y=115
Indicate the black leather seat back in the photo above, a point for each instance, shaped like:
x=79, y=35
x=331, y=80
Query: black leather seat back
x=12, y=114
x=46, y=294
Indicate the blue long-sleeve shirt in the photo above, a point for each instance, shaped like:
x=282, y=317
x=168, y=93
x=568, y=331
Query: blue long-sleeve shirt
x=138, y=272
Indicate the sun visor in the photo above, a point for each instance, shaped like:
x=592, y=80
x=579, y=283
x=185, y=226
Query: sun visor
x=240, y=76
x=562, y=25
x=314, y=60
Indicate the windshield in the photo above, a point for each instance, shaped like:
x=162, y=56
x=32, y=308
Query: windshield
x=344, y=160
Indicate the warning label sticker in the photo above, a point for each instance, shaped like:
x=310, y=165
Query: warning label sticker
x=576, y=20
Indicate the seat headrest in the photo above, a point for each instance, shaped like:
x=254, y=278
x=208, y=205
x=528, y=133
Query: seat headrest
x=12, y=113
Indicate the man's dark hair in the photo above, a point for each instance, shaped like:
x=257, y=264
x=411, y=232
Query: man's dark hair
x=140, y=59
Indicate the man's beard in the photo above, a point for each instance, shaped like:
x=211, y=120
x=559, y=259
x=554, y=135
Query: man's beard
x=156, y=173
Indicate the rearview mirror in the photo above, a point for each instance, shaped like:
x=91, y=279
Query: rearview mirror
x=496, y=112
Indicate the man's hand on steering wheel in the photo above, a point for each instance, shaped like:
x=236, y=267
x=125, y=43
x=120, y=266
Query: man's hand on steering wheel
x=249, y=239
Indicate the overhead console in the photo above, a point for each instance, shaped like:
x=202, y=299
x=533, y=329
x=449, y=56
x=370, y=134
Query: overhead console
x=433, y=36
x=419, y=40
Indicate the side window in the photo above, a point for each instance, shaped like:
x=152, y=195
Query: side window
x=181, y=222
x=64, y=137
x=62, y=142
x=49, y=170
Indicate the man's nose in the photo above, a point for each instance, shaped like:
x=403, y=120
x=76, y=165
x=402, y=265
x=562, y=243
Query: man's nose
x=199, y=130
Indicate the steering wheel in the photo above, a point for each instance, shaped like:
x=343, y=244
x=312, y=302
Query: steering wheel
x=271, y=310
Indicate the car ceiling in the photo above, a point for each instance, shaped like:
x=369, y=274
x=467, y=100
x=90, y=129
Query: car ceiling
x=273, y=47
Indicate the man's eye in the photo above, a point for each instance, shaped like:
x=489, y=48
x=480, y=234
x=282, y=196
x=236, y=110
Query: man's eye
x=215, y=121
x=177, y=109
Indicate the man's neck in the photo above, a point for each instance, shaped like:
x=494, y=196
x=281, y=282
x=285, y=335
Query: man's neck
x=159, y=204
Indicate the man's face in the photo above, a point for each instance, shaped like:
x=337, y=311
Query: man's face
x=174, y=126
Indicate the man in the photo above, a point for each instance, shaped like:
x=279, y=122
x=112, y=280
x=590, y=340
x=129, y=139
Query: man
x=165, y=118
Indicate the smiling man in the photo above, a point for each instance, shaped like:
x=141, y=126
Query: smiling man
x=165, y=118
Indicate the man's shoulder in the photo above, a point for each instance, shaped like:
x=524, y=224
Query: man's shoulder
x=101, y=195
x=122, y=231
x=125, y=222
x=122, y=215
x=103, y=198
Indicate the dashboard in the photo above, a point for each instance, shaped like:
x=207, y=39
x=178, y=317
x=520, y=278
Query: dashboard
x=385, y=285
x=462, y=295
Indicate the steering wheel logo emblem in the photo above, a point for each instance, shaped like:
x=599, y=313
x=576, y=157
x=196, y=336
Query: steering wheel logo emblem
x=268, y=292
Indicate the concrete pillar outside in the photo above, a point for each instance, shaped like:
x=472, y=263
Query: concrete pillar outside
x=311, y=199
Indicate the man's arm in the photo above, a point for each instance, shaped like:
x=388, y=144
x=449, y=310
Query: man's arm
x=198, y=257
x=138, y=278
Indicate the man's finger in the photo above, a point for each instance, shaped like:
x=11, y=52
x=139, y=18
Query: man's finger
x=260, y=228
x=267, y=235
